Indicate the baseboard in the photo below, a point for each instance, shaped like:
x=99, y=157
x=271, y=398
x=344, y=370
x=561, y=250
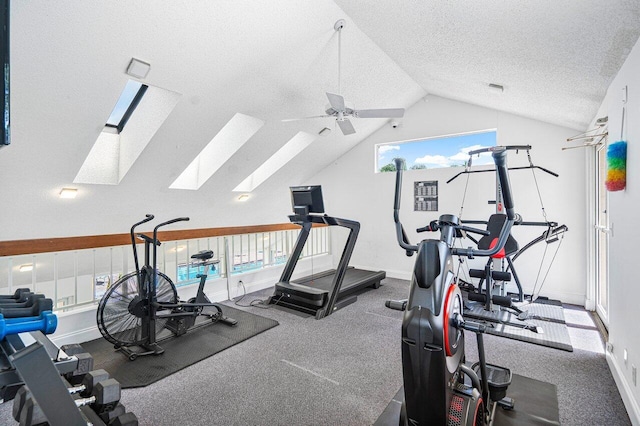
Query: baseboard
x=633, y=409
x=569, y=298
x=590, y=304
x=397, y=274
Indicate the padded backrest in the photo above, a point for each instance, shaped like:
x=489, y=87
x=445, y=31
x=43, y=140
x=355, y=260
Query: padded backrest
x=494, y=225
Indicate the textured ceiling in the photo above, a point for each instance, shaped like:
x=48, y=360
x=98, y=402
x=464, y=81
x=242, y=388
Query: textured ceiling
x=554, y=58
x=275, y=60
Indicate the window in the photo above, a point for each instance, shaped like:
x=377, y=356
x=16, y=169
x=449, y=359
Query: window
x=127, y=103
x=218, y=151
x=286, y=153
x=436, y=152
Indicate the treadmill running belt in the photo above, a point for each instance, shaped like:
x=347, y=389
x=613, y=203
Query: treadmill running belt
x=354, y=279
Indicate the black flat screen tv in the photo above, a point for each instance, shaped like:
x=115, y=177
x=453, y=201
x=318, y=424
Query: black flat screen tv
x=5, y=134
x=306, y=199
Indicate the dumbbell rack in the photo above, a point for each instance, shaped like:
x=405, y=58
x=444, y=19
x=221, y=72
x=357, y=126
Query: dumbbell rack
x=31, y=356
x=12, y=345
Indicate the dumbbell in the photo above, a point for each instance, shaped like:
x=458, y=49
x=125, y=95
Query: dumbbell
x=17, y=295
x=85, y=388
x=47, y=322
x=39, y=305
x=117, y=411
x=85, y=362
x=27, y=301
x=120, y=417
x=105, y=397
x=126, y=419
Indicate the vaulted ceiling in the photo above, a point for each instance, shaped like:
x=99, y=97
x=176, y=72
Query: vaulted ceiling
x=273, y=61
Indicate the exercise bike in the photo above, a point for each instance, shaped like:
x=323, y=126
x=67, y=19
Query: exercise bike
x=143, y=303
x=439, y=388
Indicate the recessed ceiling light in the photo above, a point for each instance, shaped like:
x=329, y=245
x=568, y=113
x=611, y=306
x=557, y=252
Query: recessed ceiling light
x=68, y=193
x=243, y=197
x=26, y=267
x=138, y=68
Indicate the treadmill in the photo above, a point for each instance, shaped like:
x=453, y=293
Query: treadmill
x=323, y=293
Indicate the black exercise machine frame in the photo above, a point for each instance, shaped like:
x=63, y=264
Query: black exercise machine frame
x=432, y=329
x=552, y=227
x=552, y=230
x=288, y=290
x=508, y=148
x=146, y=307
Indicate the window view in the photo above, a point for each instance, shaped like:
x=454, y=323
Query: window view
x=189, y=273
x=127, y=103
x=443, y=151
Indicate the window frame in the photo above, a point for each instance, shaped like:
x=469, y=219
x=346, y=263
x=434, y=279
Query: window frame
x=130, y=109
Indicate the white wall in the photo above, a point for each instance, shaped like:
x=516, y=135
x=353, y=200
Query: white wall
x=352, y=190
x=623, y=283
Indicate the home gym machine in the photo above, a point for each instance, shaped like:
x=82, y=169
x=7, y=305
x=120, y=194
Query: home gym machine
x=143, y=303
x=495, y=273
x=37, y=375
x=321, y=293
x=439, y=388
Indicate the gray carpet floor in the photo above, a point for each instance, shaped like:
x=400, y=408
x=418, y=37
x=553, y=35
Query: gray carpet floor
x=344, y=369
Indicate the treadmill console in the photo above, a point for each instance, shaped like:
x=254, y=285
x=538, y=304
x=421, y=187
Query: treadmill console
x=306, y=199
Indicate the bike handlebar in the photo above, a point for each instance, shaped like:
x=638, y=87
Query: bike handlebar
x=146, y=219
x=147, y=239
x=434, y=227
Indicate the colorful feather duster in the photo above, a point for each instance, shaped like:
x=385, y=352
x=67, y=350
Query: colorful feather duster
x=616, y=166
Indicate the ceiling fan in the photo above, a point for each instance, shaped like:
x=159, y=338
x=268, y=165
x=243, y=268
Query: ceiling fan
x=340, y=111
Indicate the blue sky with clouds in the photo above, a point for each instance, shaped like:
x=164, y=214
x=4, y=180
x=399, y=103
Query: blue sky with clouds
x=439, y=152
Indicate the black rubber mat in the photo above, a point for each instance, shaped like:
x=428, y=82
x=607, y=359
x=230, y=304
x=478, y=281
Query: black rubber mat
x=536, y=403
x=180, y=352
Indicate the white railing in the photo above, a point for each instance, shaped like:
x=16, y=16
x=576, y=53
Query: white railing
x=80, y=277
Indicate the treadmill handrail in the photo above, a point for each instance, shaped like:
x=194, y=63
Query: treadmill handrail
x=306, y=222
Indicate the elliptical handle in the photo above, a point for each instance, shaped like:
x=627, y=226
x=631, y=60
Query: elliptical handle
x=399, y=162
x=401, y=235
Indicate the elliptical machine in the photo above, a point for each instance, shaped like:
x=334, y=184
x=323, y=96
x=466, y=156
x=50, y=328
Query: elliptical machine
x=439, y=388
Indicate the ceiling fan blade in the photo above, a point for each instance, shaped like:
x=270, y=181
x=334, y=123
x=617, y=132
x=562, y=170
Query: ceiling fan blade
x=379, y=113
x=305, y=118
x=346, y=127
x=336, y=101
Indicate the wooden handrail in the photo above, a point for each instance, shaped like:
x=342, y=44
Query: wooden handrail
x=47, y=245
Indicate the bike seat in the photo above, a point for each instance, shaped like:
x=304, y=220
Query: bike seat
x=203, y=255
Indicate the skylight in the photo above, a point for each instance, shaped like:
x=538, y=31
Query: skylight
x=285, y=154
x=114, y=153
x=127, y=103
x=218, y=151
